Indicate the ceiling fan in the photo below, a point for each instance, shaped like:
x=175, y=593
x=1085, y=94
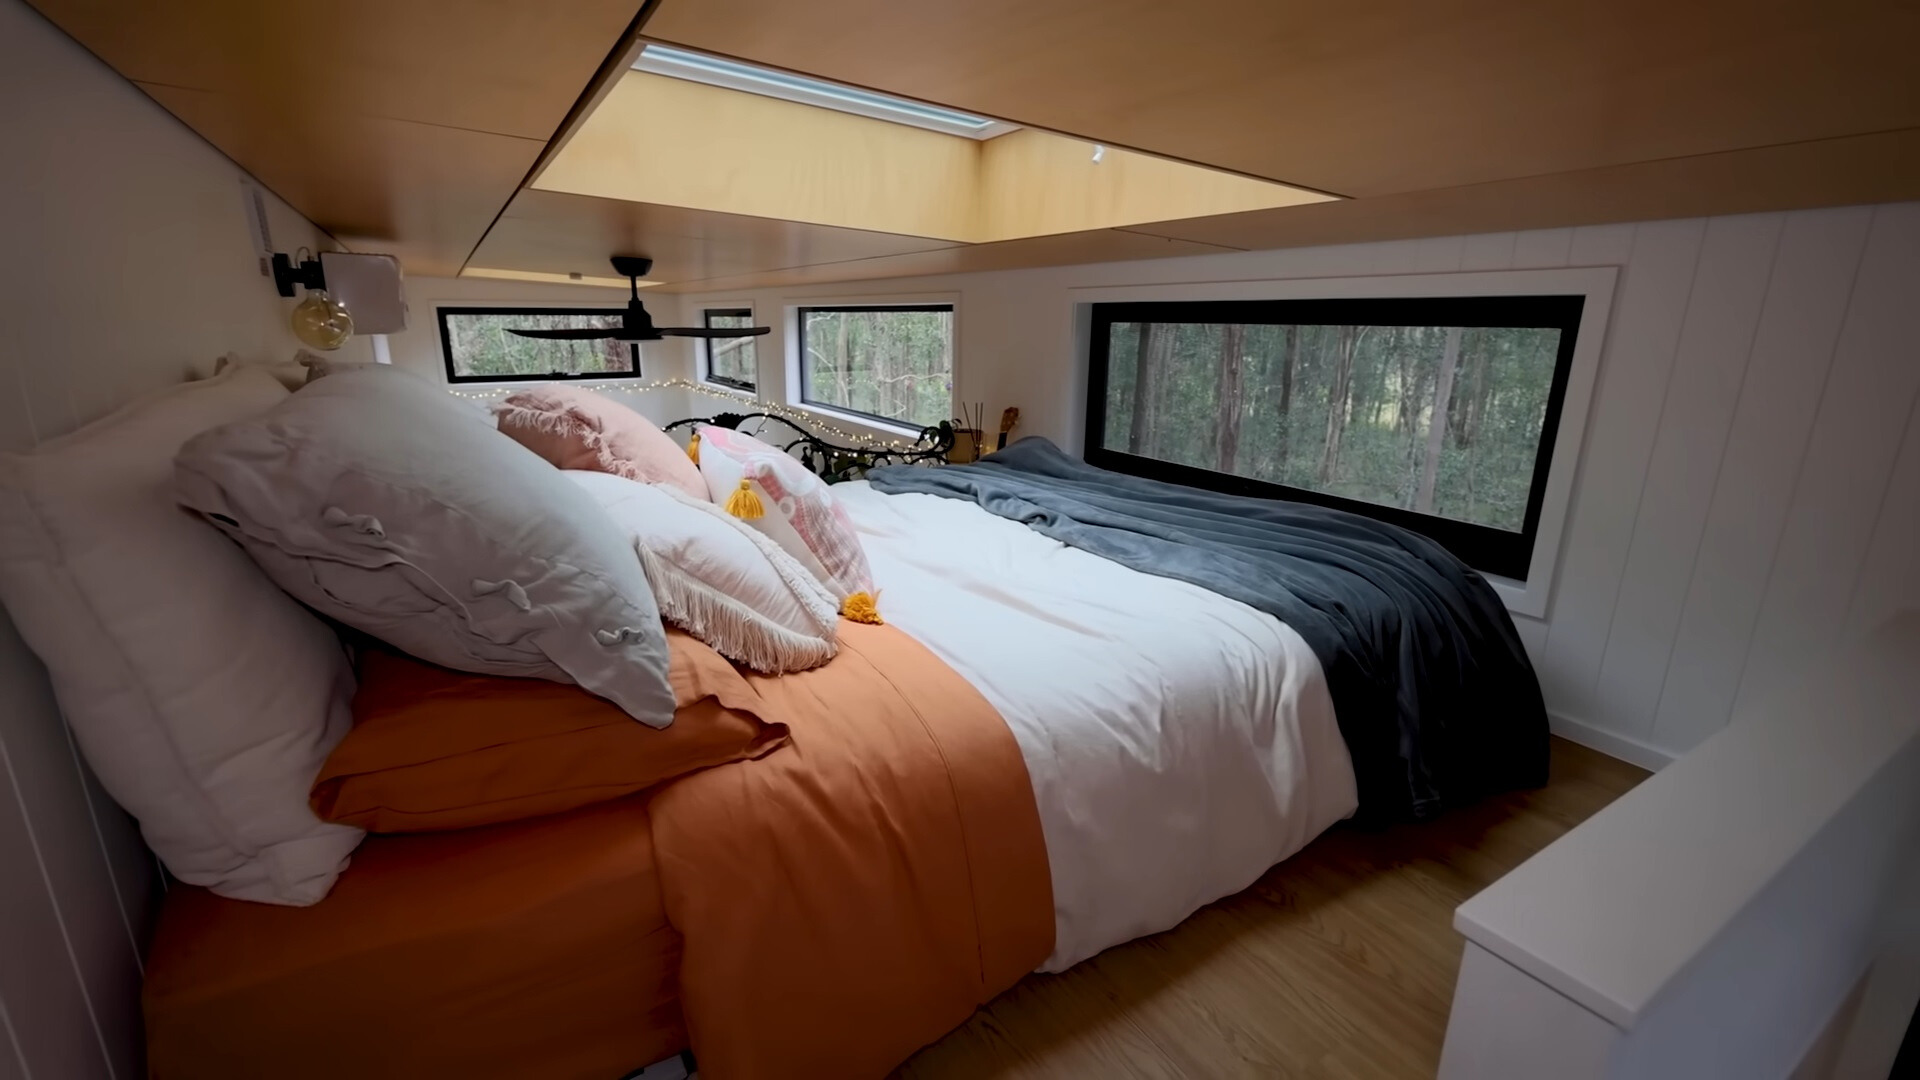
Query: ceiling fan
x=635, y=324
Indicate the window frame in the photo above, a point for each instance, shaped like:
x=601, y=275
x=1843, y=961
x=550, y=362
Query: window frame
x=800, y=381
x=707, y=311
x=441, y=311
x=1529, y=595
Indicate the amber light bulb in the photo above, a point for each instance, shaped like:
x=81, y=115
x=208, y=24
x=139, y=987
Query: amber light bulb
x=321, y=321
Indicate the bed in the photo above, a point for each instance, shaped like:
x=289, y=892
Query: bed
x=1043, y=753
x=1224, y=713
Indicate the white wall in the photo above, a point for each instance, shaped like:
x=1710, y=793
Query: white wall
x=1750, y=486
x=128, y=263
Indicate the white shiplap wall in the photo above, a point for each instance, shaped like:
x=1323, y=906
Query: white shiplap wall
x=127, y=265
x=1750, y=486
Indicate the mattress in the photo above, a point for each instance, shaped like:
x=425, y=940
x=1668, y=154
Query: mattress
x=533, y=949
x=1180, y=743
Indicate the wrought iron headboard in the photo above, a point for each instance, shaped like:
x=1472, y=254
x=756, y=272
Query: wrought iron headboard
x=834, y=463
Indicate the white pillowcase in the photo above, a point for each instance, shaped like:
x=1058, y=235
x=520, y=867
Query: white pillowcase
x=720, y=580
x=204, y=698
x=379, y=500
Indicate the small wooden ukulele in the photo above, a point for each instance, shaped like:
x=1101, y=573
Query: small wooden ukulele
x=1008, y=419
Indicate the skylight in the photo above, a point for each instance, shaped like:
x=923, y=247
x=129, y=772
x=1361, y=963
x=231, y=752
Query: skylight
x=752, y=79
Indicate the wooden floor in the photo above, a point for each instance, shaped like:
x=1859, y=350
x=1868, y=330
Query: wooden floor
x=1338, y=963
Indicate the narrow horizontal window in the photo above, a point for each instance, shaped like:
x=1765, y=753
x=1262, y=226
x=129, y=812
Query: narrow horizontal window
x=477, y=347
x=891, y=363
x=730, y=361
x=1437, y=414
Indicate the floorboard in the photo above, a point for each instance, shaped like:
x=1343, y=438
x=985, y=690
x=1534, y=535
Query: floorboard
x=1338, y=963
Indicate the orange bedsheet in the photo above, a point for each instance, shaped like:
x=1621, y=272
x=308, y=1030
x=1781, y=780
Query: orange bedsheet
x=855, y=895
x=822, y=911
x=536, y=949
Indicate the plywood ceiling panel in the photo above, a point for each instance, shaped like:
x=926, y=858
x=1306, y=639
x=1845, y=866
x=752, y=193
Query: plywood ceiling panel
x=1368, y=97
x=1861, y=169
x=670, y=141
x=1065, y=249
x=400, y=126
x=673, y=142
x=555, y=232
x=502, y=66
x=419, y=191
x=406, y=126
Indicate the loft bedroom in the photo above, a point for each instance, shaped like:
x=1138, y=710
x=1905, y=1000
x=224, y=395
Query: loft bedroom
x=668, y=538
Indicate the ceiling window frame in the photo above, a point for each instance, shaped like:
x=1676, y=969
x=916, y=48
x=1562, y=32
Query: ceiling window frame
x=674, y=62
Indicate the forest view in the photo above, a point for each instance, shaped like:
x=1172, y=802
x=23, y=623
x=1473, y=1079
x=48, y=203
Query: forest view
x=1435, y=419
x=480, y=346
x=731, y=361
x=894, y=363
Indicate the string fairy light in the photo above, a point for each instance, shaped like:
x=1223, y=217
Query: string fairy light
x=738, y=402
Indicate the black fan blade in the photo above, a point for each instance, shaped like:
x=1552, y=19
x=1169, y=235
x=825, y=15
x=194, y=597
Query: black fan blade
x=584, y=334
x=710, y=332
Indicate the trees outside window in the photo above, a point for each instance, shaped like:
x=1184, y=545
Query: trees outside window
x=477, y=347
x=892, y=363
x=730, y=361
x=1437, y=414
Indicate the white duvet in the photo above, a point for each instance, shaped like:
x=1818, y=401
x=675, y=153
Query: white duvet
x=1180, y=743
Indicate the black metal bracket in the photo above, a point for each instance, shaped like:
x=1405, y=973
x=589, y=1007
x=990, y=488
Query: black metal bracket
x=834, y=463
x=307, y=275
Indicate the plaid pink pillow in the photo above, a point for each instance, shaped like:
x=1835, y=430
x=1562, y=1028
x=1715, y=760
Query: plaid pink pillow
x=800, y=512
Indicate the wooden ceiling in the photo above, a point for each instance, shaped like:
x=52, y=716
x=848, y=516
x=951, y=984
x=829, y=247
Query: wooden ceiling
x=412, y=124
x=1365, y=97
x=401, y=126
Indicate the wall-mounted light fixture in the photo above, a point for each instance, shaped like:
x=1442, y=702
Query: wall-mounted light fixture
x=318, y=320
x=367, y=297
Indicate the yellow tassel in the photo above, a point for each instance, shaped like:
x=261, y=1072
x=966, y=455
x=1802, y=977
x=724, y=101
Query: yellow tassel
x=693, y=448
x=862, y=608
x=745, y=503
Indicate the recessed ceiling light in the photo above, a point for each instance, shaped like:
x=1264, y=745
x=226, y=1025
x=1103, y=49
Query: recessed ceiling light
x=753, y=79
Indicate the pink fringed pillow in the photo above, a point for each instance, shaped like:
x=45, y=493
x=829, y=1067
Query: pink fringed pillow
x=579, y=429
x=777, y=495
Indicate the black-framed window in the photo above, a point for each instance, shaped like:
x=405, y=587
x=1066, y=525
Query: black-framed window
x=729, y=361
x=477, y=348
x=1433, y=413
x=888, y=362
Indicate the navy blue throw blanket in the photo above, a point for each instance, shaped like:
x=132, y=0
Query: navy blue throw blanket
x=1431, y=686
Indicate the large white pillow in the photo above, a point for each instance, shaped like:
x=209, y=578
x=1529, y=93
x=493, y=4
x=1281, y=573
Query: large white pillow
x=382, y=502
x=204, y=698
x=719, y=579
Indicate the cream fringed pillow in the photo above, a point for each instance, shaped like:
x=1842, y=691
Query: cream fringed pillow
x=204, y=697
x=719, y=579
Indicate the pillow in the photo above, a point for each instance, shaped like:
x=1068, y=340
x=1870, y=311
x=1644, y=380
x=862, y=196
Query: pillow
x=379, y=501
x=579, y=429
x=291, y=374
x=436, y=749
x=315, y=366
x=719, y=579
x=783, y=499
x=204, y=698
